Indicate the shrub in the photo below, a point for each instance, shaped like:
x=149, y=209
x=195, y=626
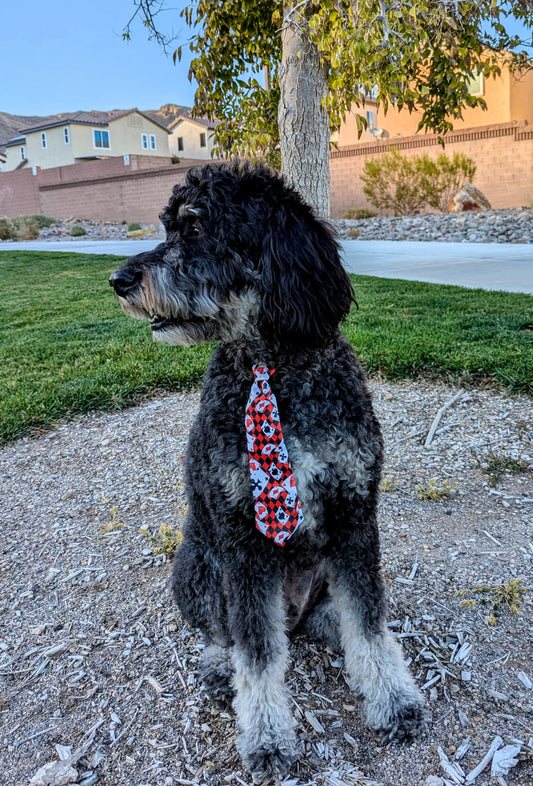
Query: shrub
x=8, y=231
x=359, y=213
x=134, y=226
x=407, y=185
x=392, y=182
x=42, y=221
x=77, y=231
x=445, y=177
x=26, y=227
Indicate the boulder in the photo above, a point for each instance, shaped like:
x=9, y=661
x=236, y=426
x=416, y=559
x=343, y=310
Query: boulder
x=468, y=198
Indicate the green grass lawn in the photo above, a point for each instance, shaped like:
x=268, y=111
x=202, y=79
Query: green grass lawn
x=66, y=347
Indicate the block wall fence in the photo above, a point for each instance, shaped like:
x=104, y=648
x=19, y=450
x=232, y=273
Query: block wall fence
x=503, y=155
x=110, y=190
x=102, y=190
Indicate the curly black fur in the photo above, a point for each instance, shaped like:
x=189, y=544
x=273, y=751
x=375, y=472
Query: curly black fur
x=246, y=262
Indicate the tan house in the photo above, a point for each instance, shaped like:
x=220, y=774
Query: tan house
x=191, y=137
x=81, y=136
x=508, y=99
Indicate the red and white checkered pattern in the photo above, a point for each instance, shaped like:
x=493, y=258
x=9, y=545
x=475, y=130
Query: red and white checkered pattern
x=278, y=511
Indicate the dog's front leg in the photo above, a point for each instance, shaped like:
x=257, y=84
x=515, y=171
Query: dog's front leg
x=267, y=740
x=393, y=705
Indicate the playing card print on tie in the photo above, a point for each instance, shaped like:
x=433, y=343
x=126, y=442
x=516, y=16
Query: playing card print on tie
x=278, y=511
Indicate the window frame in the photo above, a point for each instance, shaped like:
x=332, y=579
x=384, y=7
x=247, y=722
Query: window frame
x=44, y=140
x=66, y=135
x=102, y=146
x=203, y=139
x=180, y=144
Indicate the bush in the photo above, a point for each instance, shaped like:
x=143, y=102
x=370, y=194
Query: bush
x=77, y=231
x=445, y=177
x=26, y=228
x=359, y=213
x=42, y=221
x=407, y=185
x=134, y=226
x=8, y=231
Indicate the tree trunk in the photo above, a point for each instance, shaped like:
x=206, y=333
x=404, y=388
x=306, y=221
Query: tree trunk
x=303, y=123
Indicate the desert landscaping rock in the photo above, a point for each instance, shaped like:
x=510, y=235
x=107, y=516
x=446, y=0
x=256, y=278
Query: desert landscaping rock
x=485, y=226
x=98, y=670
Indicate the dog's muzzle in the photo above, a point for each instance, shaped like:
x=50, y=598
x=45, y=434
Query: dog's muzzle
x=124, y=281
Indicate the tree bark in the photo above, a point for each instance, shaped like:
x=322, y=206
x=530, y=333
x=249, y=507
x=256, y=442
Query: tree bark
x=303, y=122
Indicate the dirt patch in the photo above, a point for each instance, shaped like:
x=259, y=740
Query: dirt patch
x=94, y=654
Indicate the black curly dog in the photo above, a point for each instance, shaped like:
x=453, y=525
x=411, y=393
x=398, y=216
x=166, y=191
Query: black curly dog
x=248, y=264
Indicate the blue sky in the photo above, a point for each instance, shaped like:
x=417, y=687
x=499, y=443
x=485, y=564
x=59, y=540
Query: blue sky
x=65, y=55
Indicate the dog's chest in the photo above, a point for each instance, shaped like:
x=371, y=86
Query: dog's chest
x=320, y=462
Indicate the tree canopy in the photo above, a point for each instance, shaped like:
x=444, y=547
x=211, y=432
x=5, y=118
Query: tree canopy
x=418, y=54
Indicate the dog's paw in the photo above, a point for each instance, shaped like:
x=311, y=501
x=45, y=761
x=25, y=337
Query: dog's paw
x=406, y=718
x=270, y=763
x=216, y=673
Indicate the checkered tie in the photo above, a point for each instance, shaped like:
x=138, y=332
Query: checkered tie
x=278, y=511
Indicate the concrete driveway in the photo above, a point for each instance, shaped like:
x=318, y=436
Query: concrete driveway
x=497, y=266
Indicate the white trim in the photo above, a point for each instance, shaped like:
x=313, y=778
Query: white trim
x=144, y=141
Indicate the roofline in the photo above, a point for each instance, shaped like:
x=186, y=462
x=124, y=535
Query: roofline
x=196, y=121
x=18, y=140
x=63, y=123
x=73, y=121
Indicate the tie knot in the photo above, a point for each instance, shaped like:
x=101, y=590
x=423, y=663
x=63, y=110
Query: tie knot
x=262, y=373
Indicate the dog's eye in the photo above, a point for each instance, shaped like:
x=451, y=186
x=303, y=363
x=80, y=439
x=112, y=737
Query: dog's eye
x=196, y=229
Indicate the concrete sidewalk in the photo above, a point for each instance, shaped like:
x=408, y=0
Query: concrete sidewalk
x=504, y=266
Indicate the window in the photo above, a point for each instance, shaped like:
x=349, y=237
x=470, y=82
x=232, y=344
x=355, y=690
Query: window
x=476, y=85
x=44, y=144
x=180, y=143
x=22, y=153
x=370, y=120
x=101, y=138
x=202, y=140
x=152, y=141
x=66, y=134
x=144, y=141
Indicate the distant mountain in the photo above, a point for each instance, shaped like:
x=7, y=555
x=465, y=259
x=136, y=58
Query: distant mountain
x=12, y=125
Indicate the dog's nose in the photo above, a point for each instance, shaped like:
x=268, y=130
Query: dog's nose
x=123, y=281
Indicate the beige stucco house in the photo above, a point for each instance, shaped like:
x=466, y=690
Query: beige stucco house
x=191, y=137
x=509, y=98
x=81, y=136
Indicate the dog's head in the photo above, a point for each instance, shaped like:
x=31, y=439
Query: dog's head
x=245, y=259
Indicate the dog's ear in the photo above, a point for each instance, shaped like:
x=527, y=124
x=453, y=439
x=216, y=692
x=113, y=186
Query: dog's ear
x=307, y=290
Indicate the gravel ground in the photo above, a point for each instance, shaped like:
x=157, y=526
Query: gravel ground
x=487, y=226
x=98, y=669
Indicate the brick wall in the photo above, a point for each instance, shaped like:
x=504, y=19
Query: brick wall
x=502, y=153
x=104, y=190
x=109, y=190
x=19, y=193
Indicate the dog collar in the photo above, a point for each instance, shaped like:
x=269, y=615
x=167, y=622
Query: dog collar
x=278, y=511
